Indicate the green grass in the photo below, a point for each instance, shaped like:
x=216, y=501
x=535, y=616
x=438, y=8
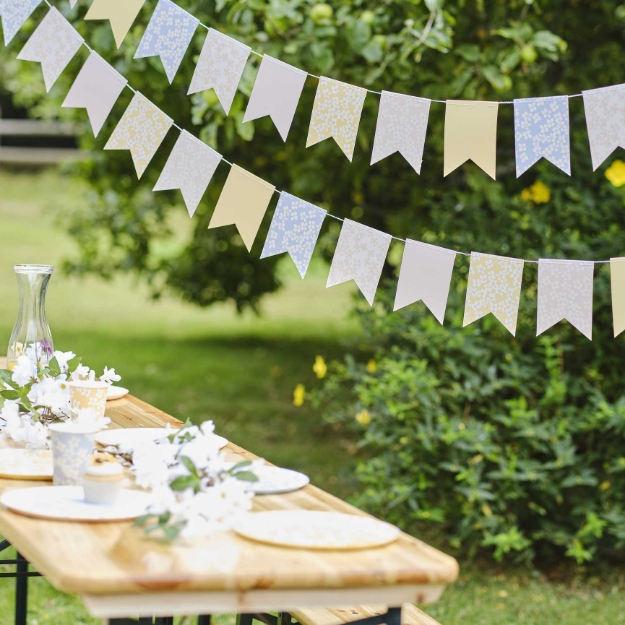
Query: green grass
x=241, y=372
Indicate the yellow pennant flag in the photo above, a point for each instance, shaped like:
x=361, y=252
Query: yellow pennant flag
x=617, y=279
x=471, y=133
x=121, y=14
x=242, y=203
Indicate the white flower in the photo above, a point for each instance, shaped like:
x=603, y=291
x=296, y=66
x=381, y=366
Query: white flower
x=109, y=376
x=80, y=373
x=63, y=358
x=90, y=417
x=10, y=414
x=151, y=464
x=24, y=372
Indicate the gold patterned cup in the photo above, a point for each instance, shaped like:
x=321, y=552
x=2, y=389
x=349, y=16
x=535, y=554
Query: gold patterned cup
x=88, y=394
x=72, y=445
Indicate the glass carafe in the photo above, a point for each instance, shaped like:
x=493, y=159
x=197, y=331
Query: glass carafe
x=31, y=335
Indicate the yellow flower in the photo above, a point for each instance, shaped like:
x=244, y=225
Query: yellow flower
x=320, y=367
x=298, y=395
x=615, y=173
x=539, y=193
x=363, y=417
x=372, y=366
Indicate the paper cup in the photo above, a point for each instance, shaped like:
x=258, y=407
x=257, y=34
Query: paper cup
x=72, y=445
x=88, y=394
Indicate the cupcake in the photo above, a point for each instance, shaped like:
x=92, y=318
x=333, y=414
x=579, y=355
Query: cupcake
x=103, y=479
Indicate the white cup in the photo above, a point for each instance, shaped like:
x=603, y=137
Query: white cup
x=72, y=445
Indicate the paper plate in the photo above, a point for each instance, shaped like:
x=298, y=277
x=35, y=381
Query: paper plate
x=129, y=437
x=116, y=392
x=308, y=529
x=24, y=464
x=277, y=481
x=66, y=503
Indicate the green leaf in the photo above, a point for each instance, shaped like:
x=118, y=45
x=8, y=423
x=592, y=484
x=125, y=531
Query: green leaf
x=7, y=378
x=246, y=476
x=547, y=41
x=142, y=520
x=25, y=404
x=13, y=395
x=358, y=35
x=511, y=60
x=54, y=367
x=240, y=465
x=185, y=481
x=189, y=465
x=499, y=81
x=373, y=51
x=73, y=364
x=469, y=52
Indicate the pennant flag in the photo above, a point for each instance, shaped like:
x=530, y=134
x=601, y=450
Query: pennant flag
x=565, y=292
x=120, y=13
x=471, y=133
x=294, y=229
x=425, y=275
x=168, y=35
x=617, y=279
x=276, y=93
x=189, y=168
x=359, y=256
x=494, y=287
x=220, y=67
x=242, y=203
x=96, y=89
x=336, y=113
x=14, y=13
x=402, y=123
x=72, y=3
x=605, y=120
x=141, y=130
x=53, y=44
x=541, y=128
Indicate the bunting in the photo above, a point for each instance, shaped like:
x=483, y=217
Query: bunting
x=54, y=44
x=617, y=282
x=336, y=113
x=242, y=203
x=565, y=293
x=141, y=130
x=402, y=124
x=541, y=129
x=96, y=89
x=72, y=3
x=605, y=121
x=294, y=229
x=471, y=133
x=220, y=67
x=359, y=256
x=168, y=35
x=425, y=275
x=120, y=13
x=276, y=92
x=189, y=168
x=494, y=287
x=14, y=14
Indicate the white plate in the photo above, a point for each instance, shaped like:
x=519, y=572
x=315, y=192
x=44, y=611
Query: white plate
x=309, y=529
x=116, y=392
x=277, y=481
x=66, y=503
x=129, y=437
x=24, y=464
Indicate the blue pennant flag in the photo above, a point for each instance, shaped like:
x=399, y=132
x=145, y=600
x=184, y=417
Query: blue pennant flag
x=14, y=13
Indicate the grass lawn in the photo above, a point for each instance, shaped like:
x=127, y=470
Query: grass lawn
x=241, y=372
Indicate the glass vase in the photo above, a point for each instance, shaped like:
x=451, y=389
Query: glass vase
x=31, y=334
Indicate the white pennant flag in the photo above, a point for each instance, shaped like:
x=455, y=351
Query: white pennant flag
x=276, y=92
x=72, y=3
x=53, y=44
x=565, y=293
x=220, y=67
x=402, y=124
x=189, y=168
x=96, y=89
x=425, y=275
x=605, y=120
x=359, y=256
x=14, y=13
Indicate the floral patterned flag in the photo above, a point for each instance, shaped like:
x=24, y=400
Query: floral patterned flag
x=189, y=168
x=96, y=89
x=14, y=13
x=359, y=256
x=120, y=13
x=402, y=123
x=425, y=275
x=605, y=120
x=220, y=67
x=242, y=203
x=294, y=229
x=541, y=128
x=336, y=113
x=565, y=292
x=168, y=35
x=141, y=130
x=276, y=92
x=617, y=279
x=470, y=133
x=53, y=44
x=494, y=287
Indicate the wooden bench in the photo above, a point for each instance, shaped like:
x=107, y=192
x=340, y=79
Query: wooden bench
x=410, y=615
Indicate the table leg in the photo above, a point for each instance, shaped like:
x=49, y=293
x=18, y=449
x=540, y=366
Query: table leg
x=204, y=619
x=21, y=590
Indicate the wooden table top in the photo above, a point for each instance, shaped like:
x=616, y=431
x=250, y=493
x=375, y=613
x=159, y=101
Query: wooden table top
x=110, y=558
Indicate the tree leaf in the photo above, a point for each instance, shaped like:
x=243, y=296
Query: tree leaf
x=358, y=35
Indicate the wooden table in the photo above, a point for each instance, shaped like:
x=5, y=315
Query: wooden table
x=118, y=572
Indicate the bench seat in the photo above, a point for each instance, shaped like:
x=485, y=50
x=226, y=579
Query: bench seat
x=410, y=615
